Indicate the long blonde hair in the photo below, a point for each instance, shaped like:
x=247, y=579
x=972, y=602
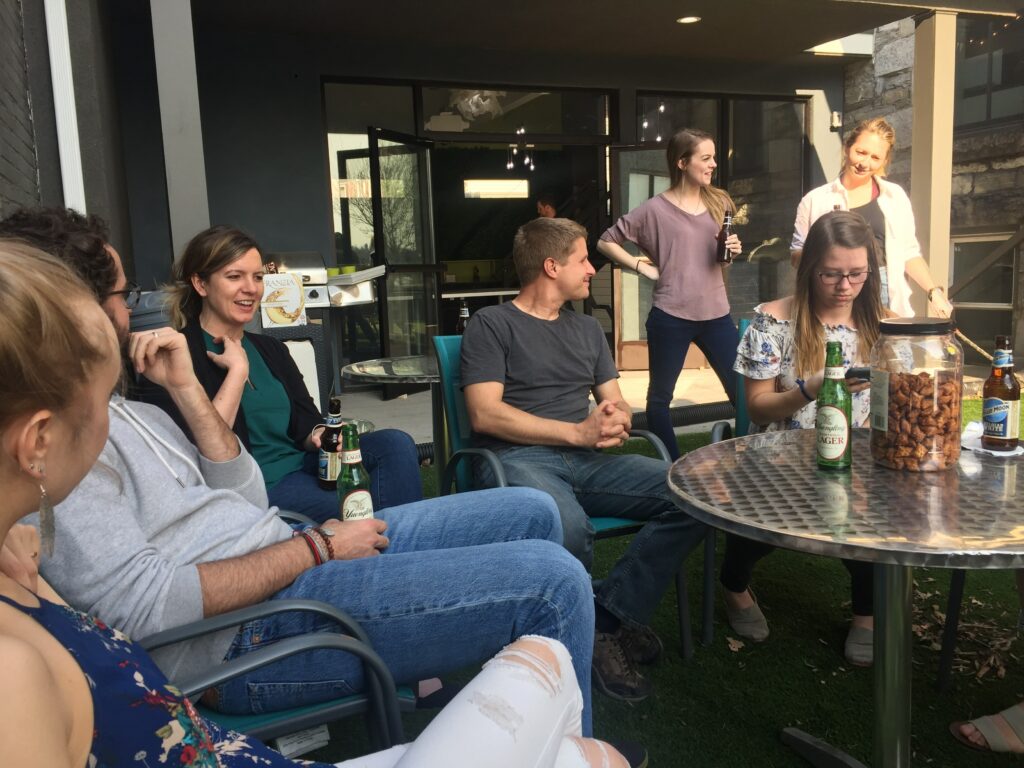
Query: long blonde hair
x=847, y=230
x=682, y=146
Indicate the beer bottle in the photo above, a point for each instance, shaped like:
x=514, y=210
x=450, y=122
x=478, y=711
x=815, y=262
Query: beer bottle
x=832, y=422
x=1001, y=410
x=460, y=326
x=354, y=502
x=723, y=256
x=330, y=445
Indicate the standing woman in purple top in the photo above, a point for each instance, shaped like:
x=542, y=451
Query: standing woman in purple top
x=678, y=230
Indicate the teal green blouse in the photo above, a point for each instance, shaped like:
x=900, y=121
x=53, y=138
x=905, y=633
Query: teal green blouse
x=267, y=412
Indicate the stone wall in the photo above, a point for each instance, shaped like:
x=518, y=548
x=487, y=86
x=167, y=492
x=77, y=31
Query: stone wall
x=988, y=164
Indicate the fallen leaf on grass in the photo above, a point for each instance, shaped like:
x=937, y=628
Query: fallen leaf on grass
x=734, y=644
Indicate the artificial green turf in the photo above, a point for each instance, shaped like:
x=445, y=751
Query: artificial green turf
x=726, y=707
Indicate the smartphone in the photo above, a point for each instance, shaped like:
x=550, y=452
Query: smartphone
x=858, y=373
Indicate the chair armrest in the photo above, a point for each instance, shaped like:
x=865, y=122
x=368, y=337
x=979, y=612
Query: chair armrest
x=721, y=431
x=448, y=476
x=379, y=683
x=242, y=615
x=295, y=517
x=654, y=440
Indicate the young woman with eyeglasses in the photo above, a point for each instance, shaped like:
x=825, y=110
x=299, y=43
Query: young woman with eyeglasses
x=862, y=188
x=781, y=357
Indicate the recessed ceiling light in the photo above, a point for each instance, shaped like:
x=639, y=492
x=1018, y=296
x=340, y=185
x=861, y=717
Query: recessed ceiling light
x=688, y=20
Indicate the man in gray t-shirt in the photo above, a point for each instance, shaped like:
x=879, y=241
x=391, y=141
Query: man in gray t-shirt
x=528, y=370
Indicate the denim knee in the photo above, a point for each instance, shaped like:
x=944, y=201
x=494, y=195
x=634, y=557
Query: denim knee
x=539, y=514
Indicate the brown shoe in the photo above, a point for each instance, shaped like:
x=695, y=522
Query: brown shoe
x=641, y=644
x=614, y=673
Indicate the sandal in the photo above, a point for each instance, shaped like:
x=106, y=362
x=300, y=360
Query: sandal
x=1003, y=732
x=748, y=622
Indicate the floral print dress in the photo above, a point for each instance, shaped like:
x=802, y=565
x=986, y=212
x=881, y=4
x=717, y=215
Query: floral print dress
x=767, y=351
x=140, y=719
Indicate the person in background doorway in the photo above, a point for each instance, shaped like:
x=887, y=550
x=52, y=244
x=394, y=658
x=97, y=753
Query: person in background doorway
x=547, y=208
x=862, y=188
x=678, y=230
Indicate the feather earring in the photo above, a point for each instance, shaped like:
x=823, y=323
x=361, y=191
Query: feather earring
x=47, y=527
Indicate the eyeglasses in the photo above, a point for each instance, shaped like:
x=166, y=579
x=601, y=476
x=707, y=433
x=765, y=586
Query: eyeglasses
x=131, y=295
x=835, y=278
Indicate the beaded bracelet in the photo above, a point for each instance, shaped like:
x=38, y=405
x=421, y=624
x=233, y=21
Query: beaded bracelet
x=325, y=536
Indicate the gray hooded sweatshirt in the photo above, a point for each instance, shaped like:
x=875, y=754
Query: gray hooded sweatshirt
x=129, y=538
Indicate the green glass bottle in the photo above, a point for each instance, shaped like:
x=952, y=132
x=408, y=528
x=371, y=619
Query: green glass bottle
x=354, y=502
x=832, y=423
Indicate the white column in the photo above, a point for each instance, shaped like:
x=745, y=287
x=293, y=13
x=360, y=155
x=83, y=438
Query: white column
x=66, y=117
x=931, y=163
x=177, y=82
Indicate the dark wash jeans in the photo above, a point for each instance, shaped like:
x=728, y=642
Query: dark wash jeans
x=668, y=339
x=390, y=457
x=587, y=483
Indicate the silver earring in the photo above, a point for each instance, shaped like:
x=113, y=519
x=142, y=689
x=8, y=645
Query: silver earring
x=47, y=527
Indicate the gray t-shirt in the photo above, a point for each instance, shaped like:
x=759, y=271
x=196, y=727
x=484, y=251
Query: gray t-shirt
x=548, y=367
x=690, y=283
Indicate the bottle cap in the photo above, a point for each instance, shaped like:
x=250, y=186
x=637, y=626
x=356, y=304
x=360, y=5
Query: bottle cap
x=915, y=326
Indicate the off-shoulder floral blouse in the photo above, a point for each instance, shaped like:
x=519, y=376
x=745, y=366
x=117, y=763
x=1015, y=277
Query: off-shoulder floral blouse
x=767, y=351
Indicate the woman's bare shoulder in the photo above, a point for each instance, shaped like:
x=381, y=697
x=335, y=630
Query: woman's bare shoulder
x=780, y=309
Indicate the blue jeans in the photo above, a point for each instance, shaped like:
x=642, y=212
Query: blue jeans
x=668, y=340
x=586, y=483
x=389, y=455
x=464, y=576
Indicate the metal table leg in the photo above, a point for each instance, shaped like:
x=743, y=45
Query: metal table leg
x=893, y=654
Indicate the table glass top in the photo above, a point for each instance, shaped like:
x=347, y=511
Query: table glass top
x=767, y=487
x=415, y=369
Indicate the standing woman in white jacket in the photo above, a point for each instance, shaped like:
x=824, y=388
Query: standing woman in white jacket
x=862, y=189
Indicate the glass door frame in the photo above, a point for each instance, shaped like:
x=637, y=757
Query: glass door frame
x=429, y=269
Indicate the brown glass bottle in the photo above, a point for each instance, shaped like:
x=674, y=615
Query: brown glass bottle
x=722, y=255
x=330, y=447
x=1001, y=410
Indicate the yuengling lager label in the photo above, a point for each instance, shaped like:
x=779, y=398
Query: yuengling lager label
x=832, y=420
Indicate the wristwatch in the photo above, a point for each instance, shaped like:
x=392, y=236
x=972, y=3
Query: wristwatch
x=933, y=289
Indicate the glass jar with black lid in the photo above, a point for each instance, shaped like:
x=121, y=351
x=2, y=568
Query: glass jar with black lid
x=917, y=368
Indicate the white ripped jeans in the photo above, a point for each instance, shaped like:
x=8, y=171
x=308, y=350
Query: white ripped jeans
x=522, y=711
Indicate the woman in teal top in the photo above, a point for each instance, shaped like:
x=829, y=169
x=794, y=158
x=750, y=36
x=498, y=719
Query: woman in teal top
x=256, y=387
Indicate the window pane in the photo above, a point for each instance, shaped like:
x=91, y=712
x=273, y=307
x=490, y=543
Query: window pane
x=475, y=110
x=658, y=117
x=766, y=183
x=982, y=326
x=995, y=285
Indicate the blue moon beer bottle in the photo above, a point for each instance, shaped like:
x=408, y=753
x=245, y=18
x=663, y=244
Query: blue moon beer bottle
x=1001, y=410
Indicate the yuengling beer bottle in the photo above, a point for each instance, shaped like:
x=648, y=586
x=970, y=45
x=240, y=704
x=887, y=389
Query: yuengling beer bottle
x=354, y=502
x=330, y=445
x=1001, y=410
x=832, y=423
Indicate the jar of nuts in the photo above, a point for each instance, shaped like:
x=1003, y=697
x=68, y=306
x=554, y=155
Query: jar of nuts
x=916, y=385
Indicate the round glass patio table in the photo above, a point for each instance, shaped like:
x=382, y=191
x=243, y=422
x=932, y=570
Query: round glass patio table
x=409, y=369
x=767, y=487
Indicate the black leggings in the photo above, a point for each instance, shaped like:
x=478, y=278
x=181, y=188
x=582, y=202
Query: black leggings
x=741, y=555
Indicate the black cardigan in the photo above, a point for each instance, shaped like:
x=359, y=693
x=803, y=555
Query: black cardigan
x=304, y=414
